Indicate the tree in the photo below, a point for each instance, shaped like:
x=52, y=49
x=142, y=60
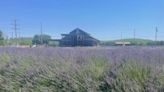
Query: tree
x=1, y=38
x=41, y=39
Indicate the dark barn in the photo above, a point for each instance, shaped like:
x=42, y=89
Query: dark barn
x=78, y=38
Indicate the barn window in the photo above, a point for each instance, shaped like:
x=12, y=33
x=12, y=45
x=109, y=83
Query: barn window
x=80, y=37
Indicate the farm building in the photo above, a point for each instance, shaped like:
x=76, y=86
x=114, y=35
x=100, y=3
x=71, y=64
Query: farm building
x=122, y=43
x=78, y=38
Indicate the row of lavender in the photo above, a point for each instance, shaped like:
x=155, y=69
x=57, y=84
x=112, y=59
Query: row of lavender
x=112, y=69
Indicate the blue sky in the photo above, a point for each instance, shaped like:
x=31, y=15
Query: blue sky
x=103, y=19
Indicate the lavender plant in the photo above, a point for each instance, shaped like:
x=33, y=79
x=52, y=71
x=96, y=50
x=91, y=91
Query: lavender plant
x=92, y=69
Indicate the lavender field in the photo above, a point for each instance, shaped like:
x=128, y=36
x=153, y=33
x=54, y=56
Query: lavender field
x=97, y=69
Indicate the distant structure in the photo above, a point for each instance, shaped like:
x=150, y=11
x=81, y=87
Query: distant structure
x=78, y=38
x=122, y=43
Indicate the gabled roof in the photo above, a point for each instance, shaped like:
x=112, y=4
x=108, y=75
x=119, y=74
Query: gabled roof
x=78, y=31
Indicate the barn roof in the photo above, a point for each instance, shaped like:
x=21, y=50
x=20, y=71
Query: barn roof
x=78, y=31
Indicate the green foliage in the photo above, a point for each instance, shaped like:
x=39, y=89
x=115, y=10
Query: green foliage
x=21, y=41
x=41, y=39
x=134, y=71
x=25, y=41
x=95, y=67
x=133, y=77
x=4, y=57
x=159, y=43
x=1, y=38
x=24, y=73
x=1, y=35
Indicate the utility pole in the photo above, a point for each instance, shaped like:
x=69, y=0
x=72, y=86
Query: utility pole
x=19, y=36
x=7, y=39
x=41, y=33
x=15, y=30
x=134, y=34
x=156, y=34
x=12, y=35
x=121, y=35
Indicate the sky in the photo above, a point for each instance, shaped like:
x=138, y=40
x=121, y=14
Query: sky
x=103, y=19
